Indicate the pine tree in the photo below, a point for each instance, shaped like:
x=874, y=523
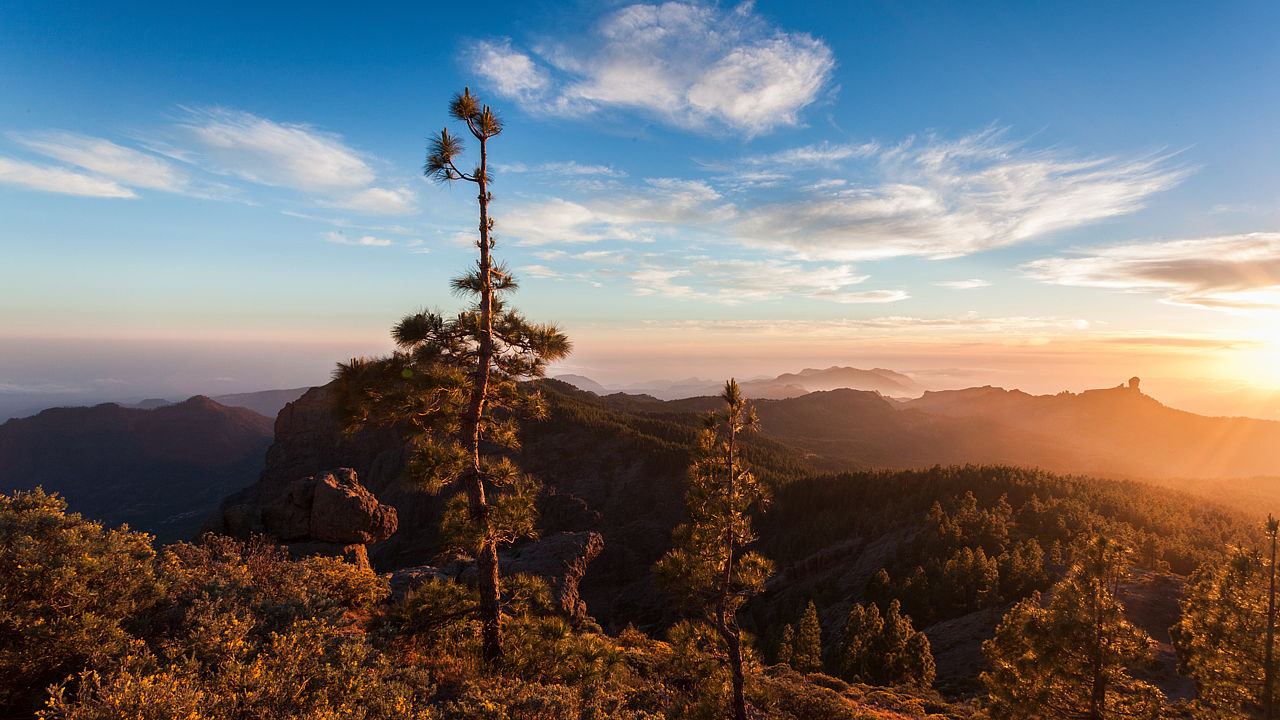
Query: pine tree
x=858, y=661
x=785, y=645
x=903, y=653
x=1069, y=659
x=884, y=651
x=452, y=386
x=806, y=655
x=709, y=567
x=1225, y=636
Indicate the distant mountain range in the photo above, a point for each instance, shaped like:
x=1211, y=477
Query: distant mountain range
x=787, y=385
x=162, y=470
x=264, y=402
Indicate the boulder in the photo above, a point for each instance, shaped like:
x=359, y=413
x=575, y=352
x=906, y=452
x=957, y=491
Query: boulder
x=343, y=511
x=329, y=513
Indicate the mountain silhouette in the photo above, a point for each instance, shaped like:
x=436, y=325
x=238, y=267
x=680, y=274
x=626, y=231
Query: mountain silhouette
x=160, y=470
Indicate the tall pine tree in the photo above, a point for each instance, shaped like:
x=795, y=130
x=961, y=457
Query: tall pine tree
x=452, y=386
x=1225, y=637
x=1070, y=659
x=709, y=566
x=806, y=653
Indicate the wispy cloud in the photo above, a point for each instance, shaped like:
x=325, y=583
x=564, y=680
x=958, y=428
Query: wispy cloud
x=690, y=65
x=341, y=238
x=59, y=180
x=105, y=159
x=726, y=281
x=661, y=206
x=563, y=169
x=941, y=199
x=185, y=157
x=925, y=197
x=288, y=155
x=971, y=284
x=905, y=325
x=1234, y=272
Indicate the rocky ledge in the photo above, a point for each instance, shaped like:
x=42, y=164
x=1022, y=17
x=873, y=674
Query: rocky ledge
x=329, y=513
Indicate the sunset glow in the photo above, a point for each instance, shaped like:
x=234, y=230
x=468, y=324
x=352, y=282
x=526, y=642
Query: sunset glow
x=1049, y=198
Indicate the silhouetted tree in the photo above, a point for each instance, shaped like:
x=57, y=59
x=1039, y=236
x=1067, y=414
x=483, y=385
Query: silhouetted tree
x=708, y=567
x=1069, y=659
x=453, y=385
x=786, y=644
x=806, y=655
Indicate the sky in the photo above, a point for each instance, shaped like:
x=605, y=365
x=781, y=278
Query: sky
x=228, y=197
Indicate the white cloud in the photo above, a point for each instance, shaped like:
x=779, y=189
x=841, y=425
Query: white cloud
x=341, y=238
x=563, y=169
x=291, y=155
x=971, y=284
x=969, y=324
x=867, y=296
x=296, y=156
x=820, y=154
x=379, y=201
x=59, y=180
x=1234, y=272
x=106, y=159
x=512, y=73
x=940, y=199
x=539, y=272
x=628, y=215
x=693, y=66
x=732, y=281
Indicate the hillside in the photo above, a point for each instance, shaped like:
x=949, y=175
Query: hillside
x=615, y=465
x=161, y=470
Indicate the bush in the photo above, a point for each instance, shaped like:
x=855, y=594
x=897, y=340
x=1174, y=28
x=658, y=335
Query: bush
x=67, y=587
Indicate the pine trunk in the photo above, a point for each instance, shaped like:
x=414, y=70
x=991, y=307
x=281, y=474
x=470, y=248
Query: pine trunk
x=487, y=553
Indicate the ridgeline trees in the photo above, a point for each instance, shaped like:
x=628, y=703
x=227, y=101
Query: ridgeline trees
x=709, y=568
x=452, y=386
x=1225, y=638
x=1070, y=658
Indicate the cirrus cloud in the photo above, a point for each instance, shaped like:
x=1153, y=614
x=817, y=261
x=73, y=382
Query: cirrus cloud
x=1233, y=272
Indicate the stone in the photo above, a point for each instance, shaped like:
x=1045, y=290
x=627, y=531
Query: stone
x=343, y=511
x=329, y=513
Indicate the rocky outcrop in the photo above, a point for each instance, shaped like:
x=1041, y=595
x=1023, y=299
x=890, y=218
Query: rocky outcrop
x=560, y=559
x=329, y=513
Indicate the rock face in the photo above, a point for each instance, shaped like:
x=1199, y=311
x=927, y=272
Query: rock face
x=329, y=513
x=561, y=559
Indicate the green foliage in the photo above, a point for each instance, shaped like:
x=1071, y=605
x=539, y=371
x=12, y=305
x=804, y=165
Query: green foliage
x=786, y=645
x=227, y=630
x=1071, y=658
x=67, y=589
x=709, y=568
x=806, y=652
x=884, y=651
x=452, y=387
x=310, y=669
x=1221, y=637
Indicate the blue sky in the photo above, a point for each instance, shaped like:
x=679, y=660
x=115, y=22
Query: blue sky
x=227, y=197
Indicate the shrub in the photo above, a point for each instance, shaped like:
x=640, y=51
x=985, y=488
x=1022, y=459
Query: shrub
x=67, y=587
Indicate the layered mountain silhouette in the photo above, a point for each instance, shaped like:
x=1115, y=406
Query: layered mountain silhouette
x=787, y=385
x=162, y=470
